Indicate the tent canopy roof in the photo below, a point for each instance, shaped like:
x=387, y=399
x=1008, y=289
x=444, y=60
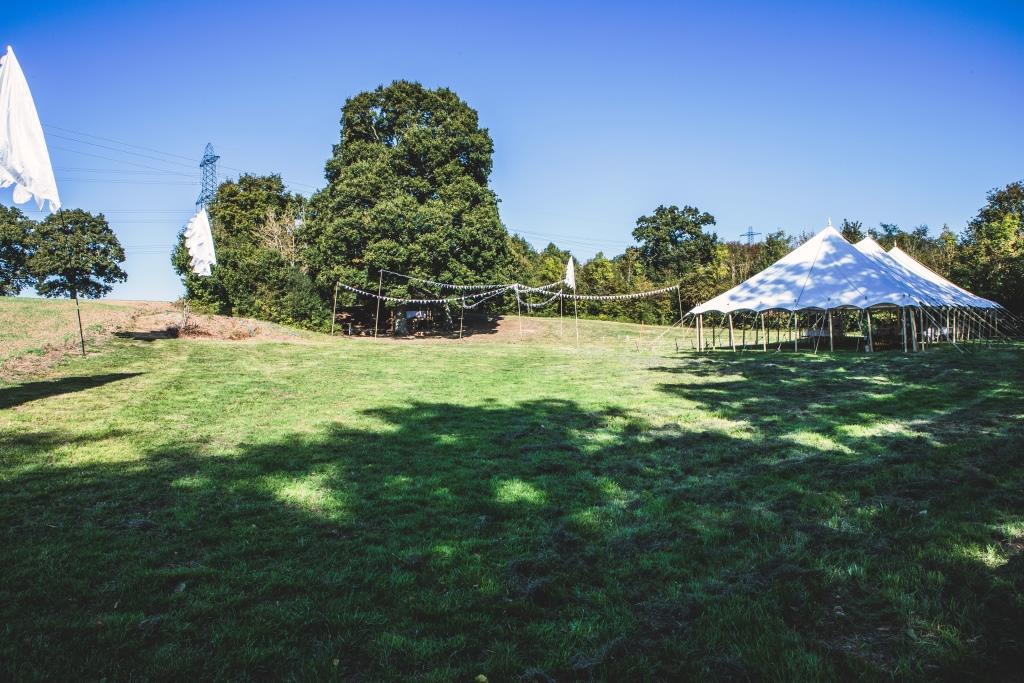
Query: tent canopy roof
x=824, y=272
x=827, y=272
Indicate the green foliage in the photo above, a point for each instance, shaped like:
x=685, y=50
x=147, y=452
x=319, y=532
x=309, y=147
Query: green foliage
x=15, y=251
x=673, y=242
x=853, y=231
x=258, y=272
x=407, y=191
x=75, y=254
x=991, y=261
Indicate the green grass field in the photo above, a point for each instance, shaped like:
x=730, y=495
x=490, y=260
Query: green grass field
x=352, y=509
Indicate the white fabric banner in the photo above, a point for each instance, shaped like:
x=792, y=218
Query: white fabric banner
x=24, y=160
x=199, y=242
x=570, y=274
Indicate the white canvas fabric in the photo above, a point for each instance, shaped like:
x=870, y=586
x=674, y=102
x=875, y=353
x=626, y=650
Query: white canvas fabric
x=570, y=274
x=958, y=294
x=824, y=272
x=199, y=242
x=928, y=292
x=24, y=160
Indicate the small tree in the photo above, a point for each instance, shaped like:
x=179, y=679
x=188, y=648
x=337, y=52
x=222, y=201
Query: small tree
x=76, y=254
x=15, y=250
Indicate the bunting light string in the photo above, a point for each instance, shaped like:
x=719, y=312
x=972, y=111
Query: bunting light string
x=479, y=297
x=450, y=300
x=537, y=304
x=600, y=297
x=451, y=285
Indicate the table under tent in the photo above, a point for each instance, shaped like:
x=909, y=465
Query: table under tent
x=828, y=293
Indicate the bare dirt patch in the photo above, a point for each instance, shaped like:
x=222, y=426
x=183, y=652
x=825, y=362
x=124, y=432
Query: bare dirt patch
x=35, y=334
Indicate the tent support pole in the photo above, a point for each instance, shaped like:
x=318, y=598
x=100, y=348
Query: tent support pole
x=743, y=343
x=700, y=332
x=871, y=341
x=764, y=338
x=913, y=330
x=796, y=333
x=831, y=345
x=732, y=338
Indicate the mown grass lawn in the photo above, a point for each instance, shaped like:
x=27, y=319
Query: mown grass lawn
x=526, y=511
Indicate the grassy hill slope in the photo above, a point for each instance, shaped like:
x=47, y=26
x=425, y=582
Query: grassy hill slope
x=382, y=510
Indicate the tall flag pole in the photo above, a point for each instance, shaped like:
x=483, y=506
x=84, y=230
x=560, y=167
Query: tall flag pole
x=24, y=159
x=199, y=243
x=570, y=281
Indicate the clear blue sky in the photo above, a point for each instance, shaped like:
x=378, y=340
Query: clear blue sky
x=774, y=114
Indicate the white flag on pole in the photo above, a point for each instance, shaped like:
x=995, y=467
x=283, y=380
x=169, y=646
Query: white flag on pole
x=199, y=242
x=24, y=161
x=570, y=274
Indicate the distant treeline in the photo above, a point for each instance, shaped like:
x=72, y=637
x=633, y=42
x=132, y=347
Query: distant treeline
x=407, y=191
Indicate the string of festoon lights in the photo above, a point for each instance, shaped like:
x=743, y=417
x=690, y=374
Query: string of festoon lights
x=480, y=296
x=450, y=285
x=518, y=289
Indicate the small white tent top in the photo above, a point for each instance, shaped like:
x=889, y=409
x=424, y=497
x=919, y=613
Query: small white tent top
x=825, y=272
x=960, y=295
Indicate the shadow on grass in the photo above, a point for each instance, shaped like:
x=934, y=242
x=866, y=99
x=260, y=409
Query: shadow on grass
x=541, y=541
x=33, y=391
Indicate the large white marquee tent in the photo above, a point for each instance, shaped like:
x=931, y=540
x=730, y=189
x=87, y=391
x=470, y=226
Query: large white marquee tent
x=827, y=275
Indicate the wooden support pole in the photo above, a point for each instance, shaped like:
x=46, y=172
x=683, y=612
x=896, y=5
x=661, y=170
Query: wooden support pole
x=913, y=330
x=764, y=334
x=871, y=341
x=796, y=333
x=376, y=318
x=462, y=318
x=700, y=332
x=81, y=333
x=831, y=345
x=732, y=338
x=334, y=311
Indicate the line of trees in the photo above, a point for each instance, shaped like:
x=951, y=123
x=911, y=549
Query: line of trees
x=71, y=254
x=408, y=191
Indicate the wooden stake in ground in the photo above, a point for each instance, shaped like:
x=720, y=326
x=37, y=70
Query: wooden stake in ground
x=376, y=318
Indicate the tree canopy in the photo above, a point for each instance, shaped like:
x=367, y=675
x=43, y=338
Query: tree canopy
x=15, y=251
x=407, y=191
x=259, y=271
x=76, y=254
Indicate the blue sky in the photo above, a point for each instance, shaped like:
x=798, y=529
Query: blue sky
x=771, y=115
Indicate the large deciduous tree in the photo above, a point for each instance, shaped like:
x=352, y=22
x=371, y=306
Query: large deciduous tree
x=15, y=251
x=258, y=272
x=76, y=254
x=673, y=242
x=407, y=191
